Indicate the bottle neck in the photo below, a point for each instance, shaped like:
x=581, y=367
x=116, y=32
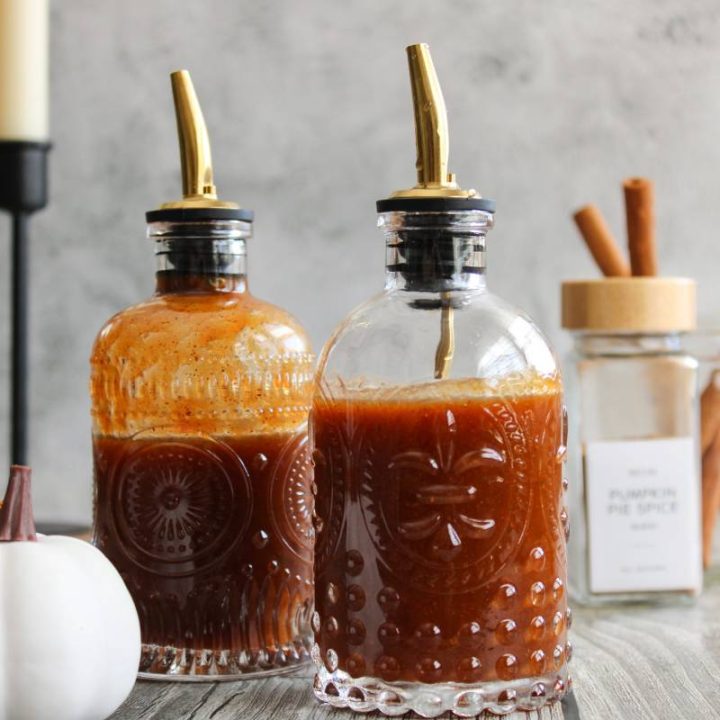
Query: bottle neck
x=200, y=256
x=435, y=252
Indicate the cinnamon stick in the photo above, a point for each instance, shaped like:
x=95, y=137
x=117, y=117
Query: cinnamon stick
x=710, y=495
x=600, y=241
x=710, y=451
x=639, y=208
x=710, y=411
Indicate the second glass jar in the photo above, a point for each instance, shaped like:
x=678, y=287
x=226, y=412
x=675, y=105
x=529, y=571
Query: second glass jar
x=438, y=432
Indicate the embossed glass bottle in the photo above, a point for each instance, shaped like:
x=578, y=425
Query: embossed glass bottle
x=437, y=426
x=200, y=398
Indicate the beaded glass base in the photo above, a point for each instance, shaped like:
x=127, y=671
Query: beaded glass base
x=184, y=665
x=432, y=699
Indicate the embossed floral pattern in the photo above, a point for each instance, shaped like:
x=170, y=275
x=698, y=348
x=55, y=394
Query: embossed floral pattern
x=442, y=489
x=427, y=508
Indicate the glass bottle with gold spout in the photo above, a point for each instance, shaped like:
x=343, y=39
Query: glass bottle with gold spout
x=200, y=398
x=437, y=423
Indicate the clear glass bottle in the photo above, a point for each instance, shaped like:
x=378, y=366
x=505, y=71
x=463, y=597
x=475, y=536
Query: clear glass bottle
x=634, y=460
x=437, y=429
x=200, y=397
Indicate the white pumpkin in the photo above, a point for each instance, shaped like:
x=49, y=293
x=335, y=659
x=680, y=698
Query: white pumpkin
x=69, y=632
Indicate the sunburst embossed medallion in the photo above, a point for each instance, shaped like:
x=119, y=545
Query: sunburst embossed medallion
x=177, y=504
x=291, y=500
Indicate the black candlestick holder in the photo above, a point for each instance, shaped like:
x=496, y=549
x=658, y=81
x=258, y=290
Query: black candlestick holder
x=23, y=191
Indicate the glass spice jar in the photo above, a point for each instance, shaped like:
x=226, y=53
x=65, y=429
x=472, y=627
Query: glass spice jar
x=200, y=397
x=437, y=427
x=634, y=452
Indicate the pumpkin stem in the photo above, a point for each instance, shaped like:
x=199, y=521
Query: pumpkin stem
x=16, y=515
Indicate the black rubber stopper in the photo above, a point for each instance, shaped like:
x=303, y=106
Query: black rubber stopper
x=432, y=251
x=195, y=214
x=435, y=204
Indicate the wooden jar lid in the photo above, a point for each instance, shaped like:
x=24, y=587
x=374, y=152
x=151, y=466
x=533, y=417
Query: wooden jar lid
x=630, y=304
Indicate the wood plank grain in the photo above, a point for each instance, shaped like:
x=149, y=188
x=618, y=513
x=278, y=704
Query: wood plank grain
x=281, y=698
x=645, y=663
x=635, y=663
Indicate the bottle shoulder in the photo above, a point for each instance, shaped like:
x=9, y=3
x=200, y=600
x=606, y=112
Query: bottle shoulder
x=395, y=335
x=162, y=321
x=215, y=364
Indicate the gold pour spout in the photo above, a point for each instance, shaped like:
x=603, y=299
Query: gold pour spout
x=431, y=131
x=434, y=180
x=197, y=171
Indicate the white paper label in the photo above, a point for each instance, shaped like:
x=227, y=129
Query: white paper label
x=643, y=502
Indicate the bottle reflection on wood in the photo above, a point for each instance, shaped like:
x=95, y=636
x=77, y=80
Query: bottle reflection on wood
x=200, y=398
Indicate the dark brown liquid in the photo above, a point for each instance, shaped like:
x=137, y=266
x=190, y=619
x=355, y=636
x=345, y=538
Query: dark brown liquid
x=214, y=540
x=440, y=551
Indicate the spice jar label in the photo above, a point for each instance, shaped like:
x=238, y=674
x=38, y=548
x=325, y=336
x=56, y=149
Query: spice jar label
x=643, y=500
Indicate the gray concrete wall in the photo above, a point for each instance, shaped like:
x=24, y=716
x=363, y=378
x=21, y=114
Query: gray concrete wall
x=551, y=104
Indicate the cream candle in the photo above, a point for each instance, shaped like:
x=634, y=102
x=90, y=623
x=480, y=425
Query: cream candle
x=24, y=70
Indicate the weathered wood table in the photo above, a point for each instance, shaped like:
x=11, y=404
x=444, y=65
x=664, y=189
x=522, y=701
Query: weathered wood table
x=630, y=664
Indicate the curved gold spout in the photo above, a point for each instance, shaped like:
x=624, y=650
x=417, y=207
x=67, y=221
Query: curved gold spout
x=195, y=156
x=431, y=126
x=431, y=131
